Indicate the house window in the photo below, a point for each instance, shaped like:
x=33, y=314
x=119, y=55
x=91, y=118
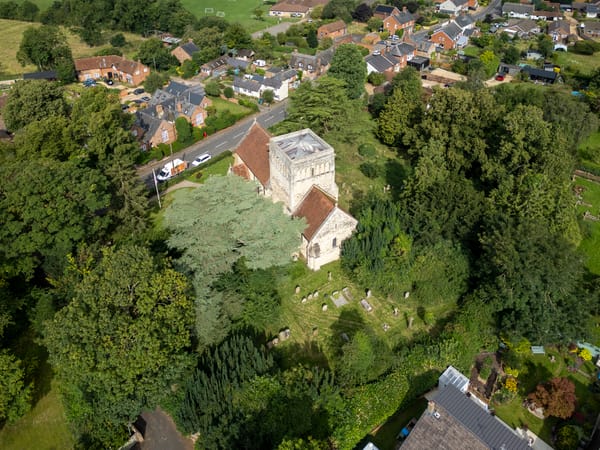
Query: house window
x=334, y=243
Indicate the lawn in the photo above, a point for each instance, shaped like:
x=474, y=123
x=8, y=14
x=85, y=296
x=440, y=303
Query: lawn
x=590, y=245
x=538, y=369
x=12, y=35
x=222, y=105
x=241, y=11
x=43, y=428
x=203, y=172
x=572, y=61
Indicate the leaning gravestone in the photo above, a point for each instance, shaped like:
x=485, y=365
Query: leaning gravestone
x=324, y=307
x=369, y=293
x=406, y=295
x=328, y=276
x=303, y=299
x=297, y=289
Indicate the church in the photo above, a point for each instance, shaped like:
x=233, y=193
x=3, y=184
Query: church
x=298, y=170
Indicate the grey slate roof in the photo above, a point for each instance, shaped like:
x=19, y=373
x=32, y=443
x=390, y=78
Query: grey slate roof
x=489, y=429
x=404, y=17
x=517, y=8
x=379, y=62
x=464, y=20
x=247, y=84
x=321, y=59
x=402, y=49
x=384, y=9
x=190, y=48
x=452, y=30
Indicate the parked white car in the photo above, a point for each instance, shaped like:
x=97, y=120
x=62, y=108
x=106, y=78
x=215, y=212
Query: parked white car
x=201, y=159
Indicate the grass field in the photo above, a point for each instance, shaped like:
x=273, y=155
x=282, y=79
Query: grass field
x=573, y=61
x=233, y=11
x=43, y=428
x=12, y=35
x=591, y=230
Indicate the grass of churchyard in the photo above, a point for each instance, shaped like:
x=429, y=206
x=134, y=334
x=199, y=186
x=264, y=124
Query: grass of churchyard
x=241, y=11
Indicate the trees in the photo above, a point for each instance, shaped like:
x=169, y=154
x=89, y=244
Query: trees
x=184, y=130
x=31, y=101
x=363, y=359
x=154, y=54
x=557, y=397
x=349, y=66
x=311, y=38
x=14, y=395
x=45, y=47
x=340, y=9
x=122, y=342
x=235, y=222
x=362, y=13
x=155, y=81
x=268, y=96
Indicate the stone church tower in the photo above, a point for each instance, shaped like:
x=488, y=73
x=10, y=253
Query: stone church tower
x=297, y=162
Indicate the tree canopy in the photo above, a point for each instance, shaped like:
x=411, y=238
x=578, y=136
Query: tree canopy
x=349, y=66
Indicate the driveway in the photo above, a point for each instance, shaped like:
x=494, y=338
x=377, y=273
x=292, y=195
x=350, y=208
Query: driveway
x=281, y=27
x=161, y=433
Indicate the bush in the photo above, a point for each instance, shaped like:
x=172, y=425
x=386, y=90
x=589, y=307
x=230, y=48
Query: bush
x=485, y=372
x=585, y=47
x=118, y=40
x=228, y=92
x=212, y=88
x=367, y=150
x=248, y=104
x=370, y=170
x=376, y=78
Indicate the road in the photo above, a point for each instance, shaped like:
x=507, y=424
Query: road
x=494, y=7
x=220, y=142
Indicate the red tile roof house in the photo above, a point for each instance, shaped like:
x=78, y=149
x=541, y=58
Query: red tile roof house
x=112, y=67
x=332, y=30
x=447, y=37
x=298, y=169
x=402, y=21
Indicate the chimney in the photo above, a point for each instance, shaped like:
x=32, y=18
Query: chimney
x=430, y=407
x=404, y=9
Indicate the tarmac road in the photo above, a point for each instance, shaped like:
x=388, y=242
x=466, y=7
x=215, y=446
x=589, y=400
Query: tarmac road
x=220, y=142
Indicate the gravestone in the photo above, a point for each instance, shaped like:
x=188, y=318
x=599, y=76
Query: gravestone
x=345, y=337
x=310, y=296
x=328, y=276
x=315, y=331
x=386, y=327
x=303, y=299
x=324, y=307
x=395, y=312
x=369, y=293
x=316, y=294
x=410, y=321
x=406, y=294
x=297, y=289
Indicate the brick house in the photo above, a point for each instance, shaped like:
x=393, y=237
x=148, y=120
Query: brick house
x=312, y=66
x=111, y=67
x=285, y=9
x=447, y=37
x=401, y=21
x=383, y=11
x=332, y=30
x=185, y=52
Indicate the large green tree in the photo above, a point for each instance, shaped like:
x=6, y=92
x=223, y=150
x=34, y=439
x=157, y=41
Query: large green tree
x=45, y=47
x=122, y=342
x=215, y=225
x=349, y=66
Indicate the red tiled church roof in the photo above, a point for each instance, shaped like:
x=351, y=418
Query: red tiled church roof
x=315, y=208
x=254, y=151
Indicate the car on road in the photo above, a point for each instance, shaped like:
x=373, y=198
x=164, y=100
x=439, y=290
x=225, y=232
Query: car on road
x=138, y=91
x=201, y=159
x=499, y=77
x=89, y=83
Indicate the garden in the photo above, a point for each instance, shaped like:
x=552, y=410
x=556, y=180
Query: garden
x=544, y=392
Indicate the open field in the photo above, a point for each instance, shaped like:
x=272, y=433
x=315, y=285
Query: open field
x=572, y=61
x=43, y=428
x=233, y=11
x=591, y=229
x=12, y=35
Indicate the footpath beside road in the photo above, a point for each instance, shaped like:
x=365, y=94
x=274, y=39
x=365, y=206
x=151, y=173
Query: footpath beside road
x=221, y=141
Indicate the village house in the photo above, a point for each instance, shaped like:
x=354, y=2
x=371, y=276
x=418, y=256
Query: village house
x=255, y=85
x=221, y=65
x=517, y=10
x=383, y=11
x=285, y=9
x=156, y=123
x=312, y=66
x=332, y=30
x=381, y=63
x=448, y=37
x=590, y=28
x=465, y=22
x=559, y=30
x=298, y=170
x=453, y=7
x=185, y=52
x=111, y=67
x=547, y=15
x=523, y=28
x=401, y=21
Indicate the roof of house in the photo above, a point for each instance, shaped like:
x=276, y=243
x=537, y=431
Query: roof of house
x=590, y=25
x=332, y=27
x=315, y=208
x=106, y=62
x=384, y=9
x=289, y=7
x=253, y=149
x=245, y=53
x=547, y=14
x=190, y=48
x=517, y=8
x=380, y=63
x=451, y=30
x=559, y=26
x=525, y=25
x=464, y=20
x=148, y=123
x=402, y=49
x=541, y=73
x=461, y=423
x=250, y=85
x=320, y=59
x=403, y=17
x=215, y=63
